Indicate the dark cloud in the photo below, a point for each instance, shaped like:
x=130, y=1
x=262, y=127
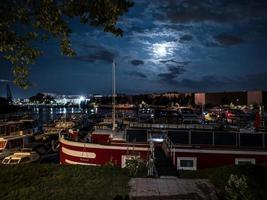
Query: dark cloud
x=137, y=74
x=211, y=44
x=167, y=76
x=96, y=53
x=255, y=81
x=186, y=38
x=174, y=72
x=137, y=62
x=206, y=83
x=177, y=70
x=220, y=11
x=228, y=40
x=91, y=46
x=220, y=83
x=174, y=61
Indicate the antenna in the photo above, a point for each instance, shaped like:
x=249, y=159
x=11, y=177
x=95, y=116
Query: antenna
x=113, y=96
x=8, y=93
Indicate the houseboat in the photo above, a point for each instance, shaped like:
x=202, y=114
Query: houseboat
x=192, y=150
x=102, y=147
x=15, y=134
x=22, y=126
x=188, y=149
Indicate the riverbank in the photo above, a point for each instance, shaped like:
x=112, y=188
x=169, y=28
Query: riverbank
x=49, y=181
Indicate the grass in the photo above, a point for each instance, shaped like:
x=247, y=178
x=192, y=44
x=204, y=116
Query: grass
x=47, y=181
x=256, y=178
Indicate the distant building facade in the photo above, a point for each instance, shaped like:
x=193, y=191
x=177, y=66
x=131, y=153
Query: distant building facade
x=166, y=94
x=237, y=98
x=70, y=99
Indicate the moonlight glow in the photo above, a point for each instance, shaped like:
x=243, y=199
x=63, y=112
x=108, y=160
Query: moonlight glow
x=160, y=50
x=163, y=50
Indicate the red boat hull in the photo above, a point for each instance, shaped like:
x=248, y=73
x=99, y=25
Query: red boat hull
x=98, y=154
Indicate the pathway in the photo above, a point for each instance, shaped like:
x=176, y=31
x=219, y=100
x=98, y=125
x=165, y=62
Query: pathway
x=171, y=188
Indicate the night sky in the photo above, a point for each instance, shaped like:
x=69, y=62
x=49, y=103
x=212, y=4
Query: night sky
x=170, y=45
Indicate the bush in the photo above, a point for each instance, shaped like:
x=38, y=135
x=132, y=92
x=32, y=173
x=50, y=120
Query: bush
x=237, y=188
x=136, y=167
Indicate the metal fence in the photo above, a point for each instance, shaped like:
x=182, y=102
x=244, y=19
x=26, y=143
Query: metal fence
x=201, y=137
x=170, y=126
x=214, y=138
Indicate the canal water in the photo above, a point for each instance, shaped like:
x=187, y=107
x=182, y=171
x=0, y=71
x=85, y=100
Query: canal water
x=46, y=115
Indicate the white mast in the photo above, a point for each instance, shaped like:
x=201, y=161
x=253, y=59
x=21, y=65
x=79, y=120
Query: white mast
x=113, y=96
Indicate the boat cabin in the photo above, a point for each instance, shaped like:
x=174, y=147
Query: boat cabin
x=24, y=126
x=23, y=157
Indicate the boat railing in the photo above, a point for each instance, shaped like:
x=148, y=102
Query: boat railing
x=216, y=139
x=16, y=133
x=170, y=126
x=152, y=170
x=170, y=148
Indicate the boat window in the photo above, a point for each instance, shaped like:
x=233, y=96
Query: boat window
x=14, y=161
x=26, y=159
x=5, y=161
x=187, y=163
x=245, y=161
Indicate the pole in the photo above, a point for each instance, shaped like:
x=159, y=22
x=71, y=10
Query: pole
x=113, y=96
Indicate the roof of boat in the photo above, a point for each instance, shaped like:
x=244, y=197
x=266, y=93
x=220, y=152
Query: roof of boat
x=19, y=155
x=11, y=137
x=102, y=132
x=10, y=123
x=116, y=135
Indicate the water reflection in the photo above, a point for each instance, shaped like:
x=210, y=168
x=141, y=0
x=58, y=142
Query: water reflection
x=46, y=115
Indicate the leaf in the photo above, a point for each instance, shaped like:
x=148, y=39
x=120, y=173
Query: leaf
x=49, y=18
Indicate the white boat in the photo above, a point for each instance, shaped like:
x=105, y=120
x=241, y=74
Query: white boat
x=22, y=157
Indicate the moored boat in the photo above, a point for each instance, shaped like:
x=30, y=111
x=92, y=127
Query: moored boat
x=14, y=135
x=101, y=147
x=24, y=156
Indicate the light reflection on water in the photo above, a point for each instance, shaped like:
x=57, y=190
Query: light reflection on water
x=46, y=115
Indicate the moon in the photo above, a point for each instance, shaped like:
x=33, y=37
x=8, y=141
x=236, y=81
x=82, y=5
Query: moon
x=160, y=50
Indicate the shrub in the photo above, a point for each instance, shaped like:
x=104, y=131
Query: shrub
x=237, y=188
x=136, y=167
